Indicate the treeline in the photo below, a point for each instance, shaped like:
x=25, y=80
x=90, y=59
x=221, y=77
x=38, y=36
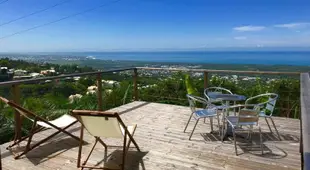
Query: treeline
x=37, y=67
x=51, y=99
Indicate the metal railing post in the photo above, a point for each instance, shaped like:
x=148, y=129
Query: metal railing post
x=99, y=91
x=17, y=116
x=205, y=75
x=135, y=85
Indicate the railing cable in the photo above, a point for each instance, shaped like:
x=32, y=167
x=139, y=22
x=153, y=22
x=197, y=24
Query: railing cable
x=63, y=18
x=33, y=13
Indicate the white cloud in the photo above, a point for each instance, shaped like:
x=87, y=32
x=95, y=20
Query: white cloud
x=293, y=25
x=240, y=38
x=249, y=28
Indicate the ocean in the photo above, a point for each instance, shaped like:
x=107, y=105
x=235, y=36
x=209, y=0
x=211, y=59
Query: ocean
x=259, y=57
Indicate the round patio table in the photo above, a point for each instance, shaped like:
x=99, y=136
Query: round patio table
x=228, y=98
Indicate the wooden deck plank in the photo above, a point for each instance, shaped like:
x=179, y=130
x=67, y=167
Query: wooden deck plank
x=160, y=136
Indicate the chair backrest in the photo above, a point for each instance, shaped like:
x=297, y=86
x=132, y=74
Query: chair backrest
x=101, y=124
x=211, y=90
x=28, y=114
x=268, y=105
x=217, y=90
x=193, y=100
x=245, y=115
x=248, y=116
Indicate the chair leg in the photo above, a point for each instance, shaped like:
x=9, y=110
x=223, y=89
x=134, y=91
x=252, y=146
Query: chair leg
x=268, y=125
x=46, y=139
x=235, y=142
x=31, y=134
x=218, y=124
x=129, y=141
x=274, y=125
x=193, y=129
x=124, y=151
x=235, y=108
x=211, y=123
x=102, y=143
x=91, y=151
x=223, y=130
x=80, y=146
x=261, y=140
x=188, y=122
x=64, y=131
x=23, y=138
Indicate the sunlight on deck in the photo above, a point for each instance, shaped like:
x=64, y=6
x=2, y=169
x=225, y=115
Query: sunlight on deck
x=164, y=145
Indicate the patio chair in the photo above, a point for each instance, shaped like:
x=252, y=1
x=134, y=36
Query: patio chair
x=208, y=92
x=60, y=124
x=208, y=111
x=104, y=124
x=266, y=108
x=244, y=121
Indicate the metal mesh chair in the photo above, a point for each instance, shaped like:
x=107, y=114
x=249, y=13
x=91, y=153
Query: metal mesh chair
x=208, y=111
x=244, y=121
x=265, y=108
x=211, y=90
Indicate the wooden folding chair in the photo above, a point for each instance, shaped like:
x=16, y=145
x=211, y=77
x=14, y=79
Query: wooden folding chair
x=60, y=124
x=104, y=124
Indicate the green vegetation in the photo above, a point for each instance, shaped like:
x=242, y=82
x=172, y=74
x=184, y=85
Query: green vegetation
x=37, y=67
x=173, y=91
x=51, y=99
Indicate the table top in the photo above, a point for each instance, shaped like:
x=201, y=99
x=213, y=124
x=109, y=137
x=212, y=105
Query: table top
x=227, y=97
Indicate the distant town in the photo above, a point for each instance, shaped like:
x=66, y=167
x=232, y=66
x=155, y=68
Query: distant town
x=90, y=61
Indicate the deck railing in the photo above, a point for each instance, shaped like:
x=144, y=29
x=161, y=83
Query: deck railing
x=305, y=121
x=305, y=146
x=16, y=96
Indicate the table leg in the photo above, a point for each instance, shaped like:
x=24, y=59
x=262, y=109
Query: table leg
x=229, y=129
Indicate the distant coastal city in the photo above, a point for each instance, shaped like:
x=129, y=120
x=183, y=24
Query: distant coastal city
x=99, y=64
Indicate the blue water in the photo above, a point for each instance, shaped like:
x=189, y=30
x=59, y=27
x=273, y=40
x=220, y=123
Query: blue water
x=259, y=57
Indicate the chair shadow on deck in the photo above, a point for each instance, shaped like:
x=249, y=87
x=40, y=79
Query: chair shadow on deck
x=268, y=136
x=253, y=147
x=133, y=159
x=212, y=137
x=44, y=149
x=50, y=150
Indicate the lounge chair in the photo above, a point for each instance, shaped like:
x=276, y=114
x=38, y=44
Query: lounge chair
x=60, y=124
x=104, y=124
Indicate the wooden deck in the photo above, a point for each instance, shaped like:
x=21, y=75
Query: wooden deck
x=164, y=145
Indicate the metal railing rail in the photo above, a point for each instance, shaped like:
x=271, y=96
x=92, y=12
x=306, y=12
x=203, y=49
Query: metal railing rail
x=16, y=91
x=14, y=82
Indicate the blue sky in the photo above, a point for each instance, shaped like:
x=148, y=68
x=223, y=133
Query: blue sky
x=155, y=25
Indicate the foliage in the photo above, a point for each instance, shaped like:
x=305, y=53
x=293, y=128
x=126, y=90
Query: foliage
x=189, y=86
x=173, y=91
x=50, y=99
